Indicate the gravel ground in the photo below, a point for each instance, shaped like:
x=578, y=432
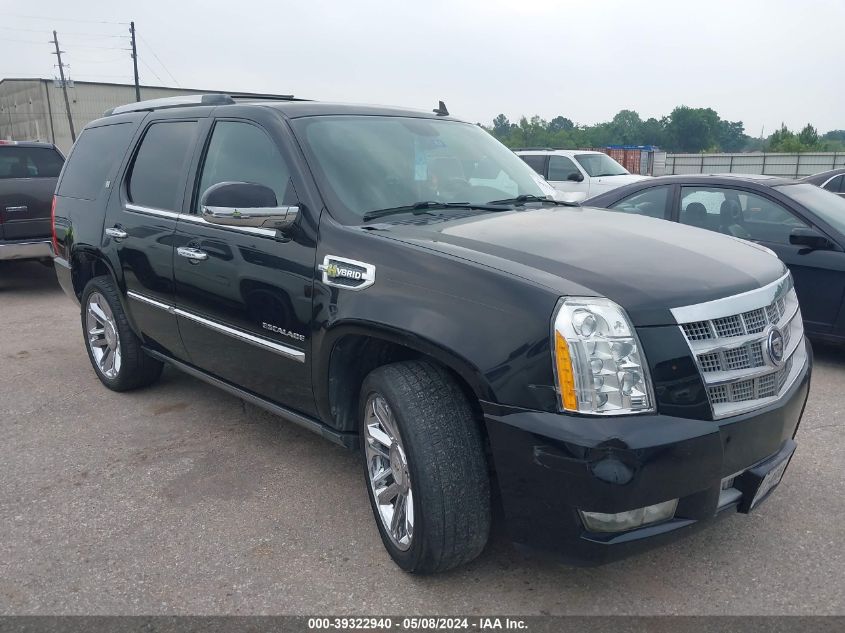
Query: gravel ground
x=180, y=499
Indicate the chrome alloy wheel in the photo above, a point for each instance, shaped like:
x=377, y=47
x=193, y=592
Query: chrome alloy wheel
x=387, y=469
x=103, y=339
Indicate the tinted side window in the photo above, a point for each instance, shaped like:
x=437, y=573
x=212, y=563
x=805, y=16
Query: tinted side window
x=739, y=213
x=651, y=202
x=158, y=173
x=537, y=162
x=241, y=152
x=29, y=162
x=701, y=207
x=835, y=185
x=561, y=167
x=95, y=153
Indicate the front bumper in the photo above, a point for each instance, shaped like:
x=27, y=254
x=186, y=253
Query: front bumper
x=549, y=466
x=26, y=249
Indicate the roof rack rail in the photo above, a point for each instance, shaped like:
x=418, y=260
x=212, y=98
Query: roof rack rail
x=533, y=149
x=270, y=97
x=172, y=102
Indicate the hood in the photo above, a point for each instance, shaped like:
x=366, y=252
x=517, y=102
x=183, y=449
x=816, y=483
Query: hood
x=645, y=265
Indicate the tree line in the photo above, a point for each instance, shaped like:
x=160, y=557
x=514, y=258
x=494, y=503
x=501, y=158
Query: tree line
x=685, y=130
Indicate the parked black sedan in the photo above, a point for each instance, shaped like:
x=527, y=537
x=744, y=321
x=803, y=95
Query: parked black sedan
x=833, y=180
x=802, y=223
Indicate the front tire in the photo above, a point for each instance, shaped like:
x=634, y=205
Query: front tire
x=113, y=348
x=425, y=467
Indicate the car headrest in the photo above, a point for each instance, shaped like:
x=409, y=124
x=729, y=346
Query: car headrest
x=730, y=210
x=696, y=212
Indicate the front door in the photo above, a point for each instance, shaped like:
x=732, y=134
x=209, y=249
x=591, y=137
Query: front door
x=244, y=294
x=564, y=174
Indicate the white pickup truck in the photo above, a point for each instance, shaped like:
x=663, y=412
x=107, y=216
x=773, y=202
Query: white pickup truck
x=579, y=171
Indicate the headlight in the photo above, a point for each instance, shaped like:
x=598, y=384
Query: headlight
x=599, y=365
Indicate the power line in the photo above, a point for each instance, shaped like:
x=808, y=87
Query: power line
x=36, y=75
x=155, y=74
x=113, y=60
x=10, y=39
x=102, y=48
x=123, y=76
x=147, y=44
x=41, y=17
x=84, y=46
x=72, y=33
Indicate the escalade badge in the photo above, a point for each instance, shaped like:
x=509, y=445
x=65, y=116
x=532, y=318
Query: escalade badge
x=774, y=345
x=347, y=273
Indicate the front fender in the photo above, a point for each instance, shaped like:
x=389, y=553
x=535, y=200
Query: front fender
x=491, y=328
x=406, y=338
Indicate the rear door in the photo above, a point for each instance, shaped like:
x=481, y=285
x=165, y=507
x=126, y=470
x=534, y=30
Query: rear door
x=28, y=178
x=245, y=306
x=141, y=221
x=537, y=162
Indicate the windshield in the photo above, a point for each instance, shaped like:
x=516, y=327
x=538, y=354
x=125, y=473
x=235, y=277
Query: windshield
x=368, y=163
x=600, y=165
x=828, y=206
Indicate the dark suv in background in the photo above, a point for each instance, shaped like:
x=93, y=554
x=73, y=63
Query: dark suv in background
x=801, y=223
x=28, y=175
x=401, y=283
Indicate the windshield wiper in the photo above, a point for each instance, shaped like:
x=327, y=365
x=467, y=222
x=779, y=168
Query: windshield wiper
x=527, y=197
x=418, y=208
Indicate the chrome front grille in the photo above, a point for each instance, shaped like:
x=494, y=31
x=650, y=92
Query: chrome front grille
x=746, y=356
x=733, y=342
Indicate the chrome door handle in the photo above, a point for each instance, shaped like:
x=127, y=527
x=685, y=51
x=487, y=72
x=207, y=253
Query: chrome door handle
x=194, y=254
x=116, y=233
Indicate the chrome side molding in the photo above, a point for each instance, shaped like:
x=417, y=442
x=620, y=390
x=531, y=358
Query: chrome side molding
x=257, y=341
x=196, y=219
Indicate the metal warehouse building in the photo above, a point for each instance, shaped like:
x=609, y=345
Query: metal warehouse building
x=34, y=109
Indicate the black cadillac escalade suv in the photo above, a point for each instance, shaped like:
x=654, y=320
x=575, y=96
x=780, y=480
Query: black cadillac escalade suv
x=400, y=283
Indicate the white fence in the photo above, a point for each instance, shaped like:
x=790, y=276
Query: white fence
x=771, y=164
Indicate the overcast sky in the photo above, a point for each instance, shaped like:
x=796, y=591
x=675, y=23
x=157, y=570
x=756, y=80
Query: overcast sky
x=761, y=62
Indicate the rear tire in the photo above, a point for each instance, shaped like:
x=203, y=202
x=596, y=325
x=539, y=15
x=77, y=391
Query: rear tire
x=420, y=439
x=113, y=348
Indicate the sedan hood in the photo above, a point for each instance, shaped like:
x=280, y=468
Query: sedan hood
x=647, y=266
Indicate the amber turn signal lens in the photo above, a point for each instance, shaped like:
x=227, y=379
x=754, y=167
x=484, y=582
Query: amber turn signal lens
x=565, y=375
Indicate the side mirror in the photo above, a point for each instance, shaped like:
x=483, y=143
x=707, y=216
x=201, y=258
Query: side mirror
x=575, y=176
x=246, y=204
x=810, y=238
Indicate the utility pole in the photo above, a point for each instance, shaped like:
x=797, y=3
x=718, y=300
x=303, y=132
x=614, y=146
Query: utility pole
x=58, y=55
x=135, y=61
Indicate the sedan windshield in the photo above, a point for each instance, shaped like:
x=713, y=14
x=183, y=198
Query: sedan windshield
x=600, y=165
x=374, y=163
x=828, y=206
